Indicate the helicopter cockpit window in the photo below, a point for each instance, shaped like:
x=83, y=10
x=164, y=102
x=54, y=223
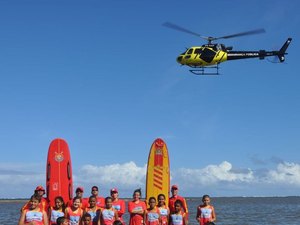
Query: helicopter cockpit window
x=198, y=51
x=190, y=51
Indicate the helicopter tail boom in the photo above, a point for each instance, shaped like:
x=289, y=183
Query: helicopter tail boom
x=232, y=55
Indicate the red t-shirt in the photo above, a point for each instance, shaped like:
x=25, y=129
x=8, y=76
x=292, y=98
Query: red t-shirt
x=136, y=219
x=172, y=201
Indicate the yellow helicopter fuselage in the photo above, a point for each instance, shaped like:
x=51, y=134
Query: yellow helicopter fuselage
x=202, y=56
x=210, y=55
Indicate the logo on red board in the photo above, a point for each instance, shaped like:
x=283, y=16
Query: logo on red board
x=159, y=143
x=59, y=157
x=55, y=186
x=158, y=157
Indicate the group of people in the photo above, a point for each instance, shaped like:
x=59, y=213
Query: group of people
x=97, y=210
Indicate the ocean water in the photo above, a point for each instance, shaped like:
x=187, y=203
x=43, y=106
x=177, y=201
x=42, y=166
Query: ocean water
x=229, y=211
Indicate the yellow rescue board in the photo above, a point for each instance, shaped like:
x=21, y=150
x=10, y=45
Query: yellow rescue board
x=158, y=171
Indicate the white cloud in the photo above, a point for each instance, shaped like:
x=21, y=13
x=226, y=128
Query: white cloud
x=212, y=174
x=285, y=173
x=222, y=179
x=127, y=176
x=20, y=180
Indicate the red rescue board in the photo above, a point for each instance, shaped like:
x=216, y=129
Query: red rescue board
x=59, y=178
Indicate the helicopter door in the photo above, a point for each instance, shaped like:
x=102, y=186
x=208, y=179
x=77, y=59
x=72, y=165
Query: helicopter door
x=208, y=55
x=198, y=51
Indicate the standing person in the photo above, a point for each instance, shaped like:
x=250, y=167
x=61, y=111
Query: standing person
x=136, y=209
x=174, y=197
x=118, y=204
x=93, y=210
x=178, y=217
x=152, y=215
x=100, y=202
x=84, y=202
x=205, y=212
x=33, y=214
x=39, y=190
x=74, y=212
x=57, y=211
x=44, y=201
x=108, y=215
x=163, y=209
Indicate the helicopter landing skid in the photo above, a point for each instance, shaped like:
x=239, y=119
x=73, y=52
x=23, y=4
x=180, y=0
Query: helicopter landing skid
x=201, y=70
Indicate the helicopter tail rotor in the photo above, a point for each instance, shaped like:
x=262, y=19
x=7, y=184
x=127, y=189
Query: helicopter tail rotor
x=283, y=49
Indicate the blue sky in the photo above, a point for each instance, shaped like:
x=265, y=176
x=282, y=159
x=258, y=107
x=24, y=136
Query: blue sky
x=103, y=76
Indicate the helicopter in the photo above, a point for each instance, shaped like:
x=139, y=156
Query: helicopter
x=210, y=55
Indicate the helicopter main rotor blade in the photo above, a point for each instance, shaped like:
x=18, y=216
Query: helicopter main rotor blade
x=257, y=31
x=176, y=27
x=210, y=39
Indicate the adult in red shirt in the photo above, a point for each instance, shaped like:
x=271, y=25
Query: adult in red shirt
x=84, y=202
x=100, y=201
x=118, y=204
x=43, y=204
x=136, y=209
x=174, y=197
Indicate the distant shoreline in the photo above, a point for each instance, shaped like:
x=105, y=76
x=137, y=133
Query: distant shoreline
x=13, y=200
x=19, y=200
